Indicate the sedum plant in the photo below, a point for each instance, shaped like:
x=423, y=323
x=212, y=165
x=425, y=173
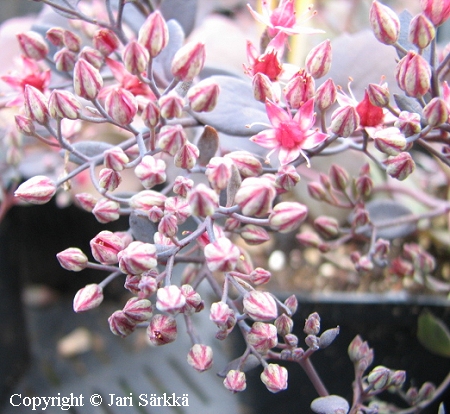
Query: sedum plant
x=120, y=71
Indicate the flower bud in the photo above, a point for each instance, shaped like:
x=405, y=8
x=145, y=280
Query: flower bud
x=326, y=95
x=317, y=191
x=63, y=104
x=170, y=299
x=235, y=381
x=203, y=96
x=312, y=341
x=109, y=179
x=88, y=298
x=291, y=303
x=151, y=114
x=35, y=104
x=154, y=34
x=247, y=164
x=255, y=196
x=260, y=306
x=115, y=158
x=72, y=259
x=120, y=324
x=186, y=157
x=36, y=190
x=385, y=23
x=363, y=186
x=312, y=324
x=339, y=178
x=318, y=60
x=378, y=95
x=328, y=227
x=121, y=105
x=287, y=216
x=408, y=123
x=137, y=258
x=105, y=247
x=188, y=61
x=413, y=75
x=71, y=41
x=146, y=199
x=203, y=201
x=147, y=284
x=259, y=276
x=105, y=41
x=151, y=171
x=254, y=235
x=287, y=177
x=106, y=210
x=400, y=166
x=263, y=336
x=328, y=337
x=138, y=310
x=218, y=172
x=299, y=89
x=162, y=330
x=426, y=391
x=437, y=11
x=263, y=88
x=64, y=60
x=436, y=112
x=168, y=225
x=171, y=138
x=222, y=255
x=284, y=324
x=200, y=357
x=33, y=45
x=275, y=377
x=87, y=80
x=379, y=377
x=421, y=31
x=55, y=36
x=135, y=58
x=344, y=121
x=171, y=105
x=220, y=313
x=390, y=141
x=25, y=125
x=92, y=56
x=398, y=378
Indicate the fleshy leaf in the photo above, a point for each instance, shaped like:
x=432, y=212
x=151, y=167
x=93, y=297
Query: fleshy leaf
x=408, y=104
x=183, y=11
x=142, y=228
x=331, y=404
x=163, y=62
x=66, y=8
x=236, y=108
x=433, y=334
x=88, y=148
x=250, y=362
x=441, y=408
x=208, y=144
x=384, y=210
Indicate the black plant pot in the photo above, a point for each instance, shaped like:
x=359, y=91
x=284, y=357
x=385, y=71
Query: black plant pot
x=389, y=324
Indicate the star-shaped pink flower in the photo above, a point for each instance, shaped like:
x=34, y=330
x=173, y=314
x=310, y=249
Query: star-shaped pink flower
x=290, y=135
x=282, y=19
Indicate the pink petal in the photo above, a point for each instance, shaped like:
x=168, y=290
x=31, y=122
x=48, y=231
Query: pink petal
x=313, y=139
x=117, y=68
x=276, y=114
x=266, y=139
x=305, y=115
x=286, y=156
x=265, y=20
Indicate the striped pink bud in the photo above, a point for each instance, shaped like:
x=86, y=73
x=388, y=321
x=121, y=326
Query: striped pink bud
x=255, y=196
x=63, y=104
x=146, y=199
x=170, y=299
x=137, y=258
x=121, y=105
x=120, y=324
x=344, y=121
x=151, y=171
x=33, y=45
x=88, y=298
x=318, y=60
x=275, y=377
x=260, y=306
x=287, y=216
x=400, y=166
x=385, y=23
x=162, y=330
x=36, y=190
x=421, y=31
x=263, y=336
x=36, y=105
x=154, y=34
x=203, y=96
x=171, y=138
x=72, y=259
x=221, y=255
x=65, y=60
x=171, y=105
x=105, y=41
x=106, y=210
x=235, y=381
x=115, y=158
x=105, y=247
x=87, y=80
x=138, y=310
x=203, y=201
x=135, y=58
x=200, y=357
x=188, y=61
x=413, y=75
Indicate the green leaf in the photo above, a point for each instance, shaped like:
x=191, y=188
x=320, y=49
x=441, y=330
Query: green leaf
x=433, y=334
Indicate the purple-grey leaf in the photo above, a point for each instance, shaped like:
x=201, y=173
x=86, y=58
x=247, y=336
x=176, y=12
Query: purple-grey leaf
x=236, y=108
x=183, y=11
x=207, y=144
x=331, y=404
x=163, y=62
x=66, y=8
x=408, y=104
x=142, y=228
x=88, y=148
x=387, y=210
x=250, y=362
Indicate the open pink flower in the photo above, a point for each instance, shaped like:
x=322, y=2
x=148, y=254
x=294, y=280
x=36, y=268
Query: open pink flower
x=290, y=136
x=282, y=19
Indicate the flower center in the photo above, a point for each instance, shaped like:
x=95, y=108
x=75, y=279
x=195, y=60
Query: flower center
x=289, y=135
